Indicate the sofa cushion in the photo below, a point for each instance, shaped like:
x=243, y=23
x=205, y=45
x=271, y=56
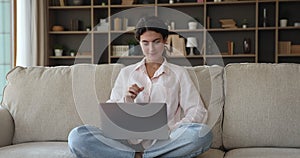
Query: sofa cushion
x=263, y=153
x=262, y=105
x=37, y=149
x=92, y=85
x=7, y=127
x=212, y=153
x=209, y=82
x=46, y=102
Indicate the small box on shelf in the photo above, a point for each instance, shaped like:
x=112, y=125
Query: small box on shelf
x=295, y=49
x=284, y=47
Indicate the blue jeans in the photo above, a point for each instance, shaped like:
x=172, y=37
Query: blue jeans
x=189, y=140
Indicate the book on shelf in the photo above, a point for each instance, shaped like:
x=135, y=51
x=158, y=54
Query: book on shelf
x=284, y=47
x=229, y=26
x=120, y=50
x=207, y=22
x=176, y=46
x=55, y=3
x=117, y=24
x=75, y=23
x=230, y=47
x=62, y=2
x=228, y=23
x=295, y=49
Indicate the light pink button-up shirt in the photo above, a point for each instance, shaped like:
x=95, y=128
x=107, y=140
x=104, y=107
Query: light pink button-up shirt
x=170, y=84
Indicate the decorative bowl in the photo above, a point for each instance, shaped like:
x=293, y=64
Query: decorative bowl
x=57, y=28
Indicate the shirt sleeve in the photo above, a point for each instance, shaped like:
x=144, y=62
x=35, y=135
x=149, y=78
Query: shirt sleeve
x=119, y=89
x=190, y=102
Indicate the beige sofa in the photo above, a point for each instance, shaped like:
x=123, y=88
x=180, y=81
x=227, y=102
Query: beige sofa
x=254, y=109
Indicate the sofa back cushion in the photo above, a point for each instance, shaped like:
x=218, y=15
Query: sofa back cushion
x=209, y=82
x=44, y=101
x=262, y=105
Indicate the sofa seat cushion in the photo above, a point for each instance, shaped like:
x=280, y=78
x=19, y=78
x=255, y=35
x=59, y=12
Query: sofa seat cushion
x=212, y=153
x=37, y=150
x=263, y=153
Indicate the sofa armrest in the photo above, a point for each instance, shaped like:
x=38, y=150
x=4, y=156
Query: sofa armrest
x=6, y=127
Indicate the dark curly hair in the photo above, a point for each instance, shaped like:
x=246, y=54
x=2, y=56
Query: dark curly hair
x=151, y=23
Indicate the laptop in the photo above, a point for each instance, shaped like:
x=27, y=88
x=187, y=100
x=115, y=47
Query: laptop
x=134, y=120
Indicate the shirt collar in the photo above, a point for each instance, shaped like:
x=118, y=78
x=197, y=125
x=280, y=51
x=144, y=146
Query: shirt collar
x=164, y=68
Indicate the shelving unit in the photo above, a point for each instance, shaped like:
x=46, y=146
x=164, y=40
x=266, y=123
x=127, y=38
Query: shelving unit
x=96, y=46
x=289, y=10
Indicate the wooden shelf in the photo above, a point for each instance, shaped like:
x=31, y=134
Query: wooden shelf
x=122, y=32
x=69, y=32
x=70, y=7
x=101, y=6
x=267, y=28
x=127, y=57
x=188, y=4
x=289, y=55
x=132, y=6
x=264, y=40
x=230, y=29
x=231, y=56
x=288, y=0
x=100, y=32
x=266, y=1
x=289, y=28
x=171, y=57
x=70, y=57
x=230, y=2
x=187, y=30
x=191, y=57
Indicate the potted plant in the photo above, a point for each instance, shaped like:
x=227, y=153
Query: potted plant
x=245, y=23
x=132, y=44
x=58, y=49
x=72, y=52
x=88, y=28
